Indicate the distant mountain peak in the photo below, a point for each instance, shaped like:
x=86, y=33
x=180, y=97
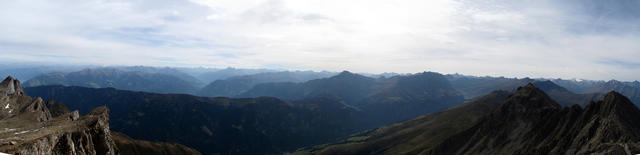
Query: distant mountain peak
x=345, y=72
x=549, y=86
x=613, y=82
x=428, y=73
x=349, y=75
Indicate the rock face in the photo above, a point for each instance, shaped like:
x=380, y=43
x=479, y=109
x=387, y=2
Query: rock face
x=28, y=126
x=8, y=95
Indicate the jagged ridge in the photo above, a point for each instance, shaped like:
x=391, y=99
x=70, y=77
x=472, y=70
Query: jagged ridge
x=530, y=123
x=527, y=122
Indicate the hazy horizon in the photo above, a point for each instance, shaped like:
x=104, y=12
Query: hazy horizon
x=79, y=67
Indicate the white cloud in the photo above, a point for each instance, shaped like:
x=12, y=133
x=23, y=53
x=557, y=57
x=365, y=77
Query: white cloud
x=504, y=38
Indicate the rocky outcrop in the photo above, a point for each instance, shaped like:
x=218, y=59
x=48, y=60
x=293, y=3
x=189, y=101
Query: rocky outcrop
x=11, y=86
x=15, y=103
x=87, y=135
x=10, y=92
x=57, y=108
x=29, y=126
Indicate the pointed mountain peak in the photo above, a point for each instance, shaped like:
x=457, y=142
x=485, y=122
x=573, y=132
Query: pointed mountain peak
x=618, y=106
x=615, y=99
x=347, y=74
x=530, y=97
x=529, y=86
x=9, y=78
x=614, y=94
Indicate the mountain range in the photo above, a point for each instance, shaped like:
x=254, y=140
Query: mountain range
x=236, y=85
x=233, y=82
x=263, y=124
x=347, y=113
x=385, y=100
x=158, y=82
x=208, y=76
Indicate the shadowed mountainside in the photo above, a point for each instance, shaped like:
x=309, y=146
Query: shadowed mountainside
x=234, y=86
x=421, y=133
x=384, y=100
x=215, y=125
x=527, y=122
x=220, y=74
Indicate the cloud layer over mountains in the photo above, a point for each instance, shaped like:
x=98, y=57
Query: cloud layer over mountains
x=569, y=39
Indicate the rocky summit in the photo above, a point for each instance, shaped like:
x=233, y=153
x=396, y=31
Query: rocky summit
x=531, y=123
x=31, y=126
x=525, y=122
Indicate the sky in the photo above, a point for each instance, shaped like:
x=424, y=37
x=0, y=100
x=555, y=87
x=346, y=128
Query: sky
x=588, y=39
